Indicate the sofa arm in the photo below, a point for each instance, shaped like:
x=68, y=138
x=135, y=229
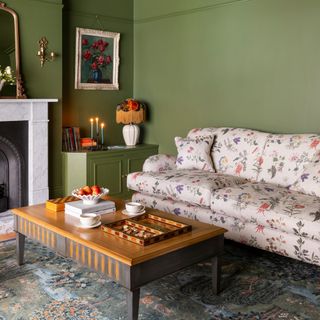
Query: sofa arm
x=159, y=162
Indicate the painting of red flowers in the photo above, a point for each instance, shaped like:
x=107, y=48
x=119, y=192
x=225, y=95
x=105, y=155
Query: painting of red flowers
x=97, y=59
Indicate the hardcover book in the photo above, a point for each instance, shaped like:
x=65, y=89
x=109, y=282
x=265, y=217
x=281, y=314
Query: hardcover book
x=100, y=212
x=79, y=207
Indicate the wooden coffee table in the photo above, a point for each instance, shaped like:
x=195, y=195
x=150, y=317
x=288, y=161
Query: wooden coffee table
x=129, y=264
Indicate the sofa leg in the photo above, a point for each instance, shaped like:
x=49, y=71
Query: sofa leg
x=216, y=274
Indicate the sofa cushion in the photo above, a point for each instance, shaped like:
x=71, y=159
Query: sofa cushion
x=271, y=206
x=194, y=153
x=235, y=151
x=159, y=162
x=285, y=157
x=202, y=133
x=309, y=180
x=292, y=245
x=192, y=186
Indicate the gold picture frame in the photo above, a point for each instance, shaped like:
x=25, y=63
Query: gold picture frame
x=97, y=60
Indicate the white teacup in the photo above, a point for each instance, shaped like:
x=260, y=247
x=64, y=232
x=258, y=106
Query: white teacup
x=134, y=207
x=89, y=219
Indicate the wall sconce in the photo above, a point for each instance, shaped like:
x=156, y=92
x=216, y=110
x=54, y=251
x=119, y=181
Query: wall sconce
x=42, y=53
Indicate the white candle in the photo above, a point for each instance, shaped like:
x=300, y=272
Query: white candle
x=91, y=127
x=102, y=138
x=97, y=125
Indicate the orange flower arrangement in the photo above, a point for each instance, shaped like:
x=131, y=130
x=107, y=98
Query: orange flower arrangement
x=130, y=111
x=130, y=105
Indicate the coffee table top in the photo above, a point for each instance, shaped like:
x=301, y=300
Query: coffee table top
x=117, y=248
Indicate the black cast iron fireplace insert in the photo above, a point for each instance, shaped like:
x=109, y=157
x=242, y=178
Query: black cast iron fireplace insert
x=13, y=164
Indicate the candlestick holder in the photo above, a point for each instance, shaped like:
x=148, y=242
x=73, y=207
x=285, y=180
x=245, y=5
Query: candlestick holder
x=97, y=143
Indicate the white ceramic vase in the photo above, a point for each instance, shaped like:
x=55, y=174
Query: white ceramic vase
x=131, y=134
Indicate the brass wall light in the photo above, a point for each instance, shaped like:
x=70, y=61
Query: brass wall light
x=42, y=53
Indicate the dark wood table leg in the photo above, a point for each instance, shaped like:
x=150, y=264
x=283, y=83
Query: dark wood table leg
x=216, y=274
x=133, y=304
x=20, y=239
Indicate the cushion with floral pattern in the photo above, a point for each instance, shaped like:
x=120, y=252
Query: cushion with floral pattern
x=309, y=180
x=194, y=153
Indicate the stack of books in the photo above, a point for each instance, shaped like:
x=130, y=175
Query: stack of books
x=71, y=139
x=76, y=208
x=87, y=143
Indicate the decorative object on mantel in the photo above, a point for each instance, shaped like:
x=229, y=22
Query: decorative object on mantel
x=4, y=13
x=97, y=59
x=131, y=112
x=42, y=53
x=6, y=76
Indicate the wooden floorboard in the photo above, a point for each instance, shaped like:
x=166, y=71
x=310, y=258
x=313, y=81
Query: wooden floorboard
x=7, y=236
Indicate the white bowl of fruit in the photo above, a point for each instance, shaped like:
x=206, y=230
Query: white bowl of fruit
x=90, y=195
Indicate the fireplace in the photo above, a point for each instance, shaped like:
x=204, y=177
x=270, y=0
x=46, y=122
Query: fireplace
x=13, y=164
x=23, y=155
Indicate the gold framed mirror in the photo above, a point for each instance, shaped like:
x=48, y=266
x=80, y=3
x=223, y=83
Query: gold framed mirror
x=10, y=53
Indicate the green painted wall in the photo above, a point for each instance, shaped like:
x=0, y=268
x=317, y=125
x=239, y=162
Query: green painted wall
x=57, y=20
x=243, y=63
x=80, y=105
x=250, y=63
x=39, y=18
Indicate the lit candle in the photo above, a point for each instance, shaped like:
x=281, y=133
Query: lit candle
x=91, y=127
x=102, y=138
x=97, y=125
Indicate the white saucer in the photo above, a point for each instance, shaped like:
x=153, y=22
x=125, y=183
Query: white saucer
x=89, y=227
x=133, y=214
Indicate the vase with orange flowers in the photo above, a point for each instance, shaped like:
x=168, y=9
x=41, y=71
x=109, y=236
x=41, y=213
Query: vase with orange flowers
x=130, y=112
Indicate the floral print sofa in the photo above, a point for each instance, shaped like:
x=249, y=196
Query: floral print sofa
x=265, y=191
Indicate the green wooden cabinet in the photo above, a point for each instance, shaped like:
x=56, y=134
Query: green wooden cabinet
x=105, y=168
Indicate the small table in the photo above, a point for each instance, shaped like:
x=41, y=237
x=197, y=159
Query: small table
x=129, y=264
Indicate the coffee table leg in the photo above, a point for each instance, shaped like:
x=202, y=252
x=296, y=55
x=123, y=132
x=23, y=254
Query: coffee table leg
x=216, y=274
x=133, y=304
x=20, y=239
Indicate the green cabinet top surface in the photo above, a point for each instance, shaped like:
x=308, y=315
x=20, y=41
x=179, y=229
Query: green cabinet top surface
x=116, y=151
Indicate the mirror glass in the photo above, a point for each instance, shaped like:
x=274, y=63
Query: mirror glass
x=7, y=51
x=10, y=78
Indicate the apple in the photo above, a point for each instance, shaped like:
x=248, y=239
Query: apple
x=81, y=192
x=95, y=190
x=87, y=190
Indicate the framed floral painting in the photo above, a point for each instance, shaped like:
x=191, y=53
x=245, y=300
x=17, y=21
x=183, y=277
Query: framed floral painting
x=97, y=59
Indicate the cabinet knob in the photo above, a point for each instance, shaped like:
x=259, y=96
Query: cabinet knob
x=124, y=176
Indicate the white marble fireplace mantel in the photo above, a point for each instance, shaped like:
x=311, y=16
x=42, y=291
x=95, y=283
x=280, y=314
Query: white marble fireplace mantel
x=35, y=111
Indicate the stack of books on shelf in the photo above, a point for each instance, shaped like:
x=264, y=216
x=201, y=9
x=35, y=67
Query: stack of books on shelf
x=87, y=143
x=71, y=139
x=76, y=208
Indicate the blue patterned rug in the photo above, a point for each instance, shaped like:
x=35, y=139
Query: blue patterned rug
x=257, y=285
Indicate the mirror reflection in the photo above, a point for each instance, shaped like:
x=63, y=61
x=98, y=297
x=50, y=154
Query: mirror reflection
x=7, y=55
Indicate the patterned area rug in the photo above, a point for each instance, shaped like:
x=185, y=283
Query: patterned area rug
x=257, y=285
x=6, y=222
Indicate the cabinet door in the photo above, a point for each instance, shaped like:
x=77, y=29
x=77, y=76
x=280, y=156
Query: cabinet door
x=107, y=172
x=136, y=159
